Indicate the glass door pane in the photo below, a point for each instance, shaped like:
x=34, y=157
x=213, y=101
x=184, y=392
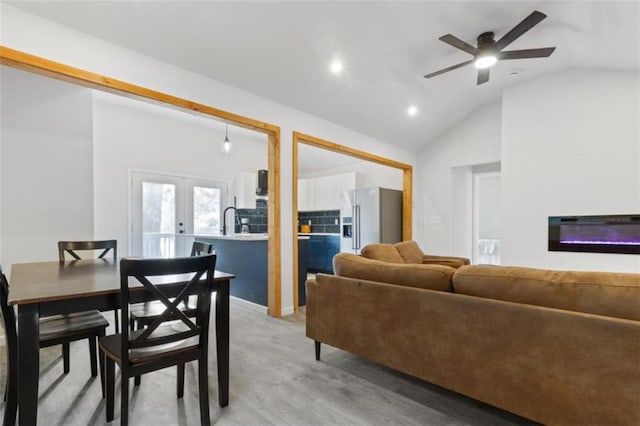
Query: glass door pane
x=204, y=200
x=206, y=210
x=158, y=219
x=157, y=215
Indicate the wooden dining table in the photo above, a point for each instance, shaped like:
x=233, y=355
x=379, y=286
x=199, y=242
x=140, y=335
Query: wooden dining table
x=50, y=288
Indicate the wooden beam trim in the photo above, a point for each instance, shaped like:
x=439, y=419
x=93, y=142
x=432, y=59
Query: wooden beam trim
x=363, y=155
x=38, y=65
x=274, y=243
x=294, y=215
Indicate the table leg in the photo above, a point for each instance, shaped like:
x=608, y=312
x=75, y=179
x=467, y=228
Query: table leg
x=28, y=363
x=222, y=342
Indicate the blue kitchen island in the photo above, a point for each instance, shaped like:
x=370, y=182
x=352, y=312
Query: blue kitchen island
x=245, y=256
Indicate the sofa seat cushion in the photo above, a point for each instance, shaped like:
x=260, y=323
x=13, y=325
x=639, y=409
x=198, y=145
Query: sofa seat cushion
x=601, y=293
x=383, y=252
x=410, y=251
x=431, y=277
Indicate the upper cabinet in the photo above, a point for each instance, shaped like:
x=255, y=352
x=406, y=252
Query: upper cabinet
x=324, y=193
x=245, y=190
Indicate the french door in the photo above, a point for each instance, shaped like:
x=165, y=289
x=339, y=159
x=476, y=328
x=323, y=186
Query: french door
x=168, y=211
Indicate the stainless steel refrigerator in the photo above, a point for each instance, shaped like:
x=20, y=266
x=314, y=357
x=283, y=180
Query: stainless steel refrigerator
x=371, y=215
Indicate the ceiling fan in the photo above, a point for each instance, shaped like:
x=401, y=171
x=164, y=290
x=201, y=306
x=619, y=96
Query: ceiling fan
x=489, y=51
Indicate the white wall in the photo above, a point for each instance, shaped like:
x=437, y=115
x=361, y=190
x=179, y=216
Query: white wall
x=47, y=174
x=570, y=146
x=444, y=174
x=29, y=33
x=132, y=135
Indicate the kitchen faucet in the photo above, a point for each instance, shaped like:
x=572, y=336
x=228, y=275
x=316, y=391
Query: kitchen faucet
x=224, y=219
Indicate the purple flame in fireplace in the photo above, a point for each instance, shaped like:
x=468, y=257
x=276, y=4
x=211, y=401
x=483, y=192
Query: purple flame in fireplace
x=626, y=243
x=610, y=234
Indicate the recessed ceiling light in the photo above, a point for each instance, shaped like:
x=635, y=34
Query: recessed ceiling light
x=336, y=67
x=412, y=110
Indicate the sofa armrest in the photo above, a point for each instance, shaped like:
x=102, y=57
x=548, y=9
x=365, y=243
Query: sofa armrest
x=454, y=262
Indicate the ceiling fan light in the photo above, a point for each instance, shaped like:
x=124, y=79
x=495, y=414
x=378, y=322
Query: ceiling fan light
x=485, y=61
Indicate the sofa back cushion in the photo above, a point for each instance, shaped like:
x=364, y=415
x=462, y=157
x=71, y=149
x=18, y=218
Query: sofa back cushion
x=431, y=277
x=383, y=252
x=410, y=251
x=601, y=293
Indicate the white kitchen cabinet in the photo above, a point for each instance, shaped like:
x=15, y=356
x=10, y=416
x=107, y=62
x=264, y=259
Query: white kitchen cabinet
x=303, y=195
x=324, y=193
x=245, y=190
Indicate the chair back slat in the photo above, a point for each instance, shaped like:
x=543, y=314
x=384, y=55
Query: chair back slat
x=8, y=314
x=199, y=273
x=71, y=246
x=199, y=248
x=11, y=339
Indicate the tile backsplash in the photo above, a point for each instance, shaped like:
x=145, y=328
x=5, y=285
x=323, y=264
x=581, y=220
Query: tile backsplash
x=326, y=221
x=257, y=218
x=321, y=221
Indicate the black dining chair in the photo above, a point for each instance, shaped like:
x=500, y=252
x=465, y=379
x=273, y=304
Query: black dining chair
x=143, y=314
x=70, y=247
x=162, y=344
x=54, y=330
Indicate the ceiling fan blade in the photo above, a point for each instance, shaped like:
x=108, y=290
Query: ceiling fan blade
x=451, y=68
x=524, y=26
x=542, y=52
x=483, y=75
x=459, y=44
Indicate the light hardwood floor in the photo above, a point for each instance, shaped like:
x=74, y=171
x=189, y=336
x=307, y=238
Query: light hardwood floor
x=274, y=379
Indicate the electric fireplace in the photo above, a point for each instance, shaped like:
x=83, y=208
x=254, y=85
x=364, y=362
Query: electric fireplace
x=596, y=234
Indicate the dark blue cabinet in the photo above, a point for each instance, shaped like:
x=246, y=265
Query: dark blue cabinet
x=332, y=247
x=320, y=252
x=316, y=261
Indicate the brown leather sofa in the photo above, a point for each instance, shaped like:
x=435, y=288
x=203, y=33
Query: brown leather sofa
x=557, y=347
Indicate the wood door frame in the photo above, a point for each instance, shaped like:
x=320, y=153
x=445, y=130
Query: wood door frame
x=407, y=190
x=56, y=70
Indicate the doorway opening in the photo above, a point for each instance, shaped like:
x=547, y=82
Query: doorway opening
x=51, y=69
x=407, y=191
x=486, y=216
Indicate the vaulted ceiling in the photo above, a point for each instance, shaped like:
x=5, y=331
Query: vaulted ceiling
x=282, y=51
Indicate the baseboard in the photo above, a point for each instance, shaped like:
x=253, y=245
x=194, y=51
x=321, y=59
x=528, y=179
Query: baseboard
x=259, y=308
x=250, y=305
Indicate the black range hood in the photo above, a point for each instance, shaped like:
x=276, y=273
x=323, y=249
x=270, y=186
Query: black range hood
x=263, y=183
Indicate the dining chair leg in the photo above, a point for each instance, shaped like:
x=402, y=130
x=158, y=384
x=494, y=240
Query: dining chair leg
x=180, y=381
x=65, y=357
x=102, y=372
x=11, y=397
x=203, y=391
x=137, y=381
x=124, y=399
x=111, y=373
x=93, y=355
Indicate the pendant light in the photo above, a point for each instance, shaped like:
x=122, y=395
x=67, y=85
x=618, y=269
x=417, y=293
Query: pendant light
x=226, y=145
